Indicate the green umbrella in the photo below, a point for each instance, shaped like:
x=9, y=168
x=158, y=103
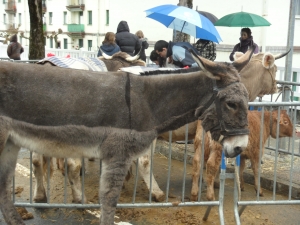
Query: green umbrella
x=242, y=19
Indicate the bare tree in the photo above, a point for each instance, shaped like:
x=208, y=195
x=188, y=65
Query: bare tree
x=9, y=32
x=36, y=37
x=53, y=35
x=177, y=35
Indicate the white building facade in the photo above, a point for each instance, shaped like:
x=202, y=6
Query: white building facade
x=85, y=22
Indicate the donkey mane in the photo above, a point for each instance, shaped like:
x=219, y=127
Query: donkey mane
x=177, y=71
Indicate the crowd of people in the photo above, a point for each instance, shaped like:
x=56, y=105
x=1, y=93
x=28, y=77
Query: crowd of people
x=165, y=54
x=169, y=54
x=172, y=54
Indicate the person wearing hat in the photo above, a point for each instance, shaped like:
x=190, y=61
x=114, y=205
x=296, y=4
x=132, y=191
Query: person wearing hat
x=127, y=41
x=246, y=41
x=14, y=49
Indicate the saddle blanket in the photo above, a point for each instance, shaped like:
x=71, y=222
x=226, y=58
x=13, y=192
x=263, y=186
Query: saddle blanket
x=81, y=63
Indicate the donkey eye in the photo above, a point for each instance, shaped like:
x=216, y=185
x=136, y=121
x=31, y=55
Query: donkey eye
x=231, y=105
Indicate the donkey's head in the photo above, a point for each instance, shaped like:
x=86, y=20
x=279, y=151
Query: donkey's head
x=225, y=114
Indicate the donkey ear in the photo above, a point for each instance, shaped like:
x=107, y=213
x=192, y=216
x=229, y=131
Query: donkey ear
x=205, y=64
x=244, y=59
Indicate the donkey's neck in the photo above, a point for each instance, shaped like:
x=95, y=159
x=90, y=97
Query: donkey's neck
x=171, y=100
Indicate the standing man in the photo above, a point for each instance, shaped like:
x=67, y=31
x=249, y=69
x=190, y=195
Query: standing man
x=127, y=41
x=14, y=49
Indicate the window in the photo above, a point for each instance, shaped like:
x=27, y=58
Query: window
x=50, y=17
x=80, y=43
x=20, y=19
x=51, y=42
x=90, y=44
x=4, y=18
x=65, y=43
x=80, y=18
x=107, y=17
x=65, y=17
x=90, y=17
x=19, y=0
x=297, y=5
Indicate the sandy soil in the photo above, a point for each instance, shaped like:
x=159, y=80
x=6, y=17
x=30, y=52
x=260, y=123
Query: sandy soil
x=260, y=215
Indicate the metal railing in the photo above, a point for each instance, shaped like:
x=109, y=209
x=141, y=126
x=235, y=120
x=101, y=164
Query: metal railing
x=240, y=204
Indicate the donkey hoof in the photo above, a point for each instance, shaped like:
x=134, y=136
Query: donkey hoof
x=78, y=201
x=159, y=197
x=40, y=199
x=194, y=198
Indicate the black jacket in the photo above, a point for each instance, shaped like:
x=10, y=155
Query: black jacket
x=145, y=45
x=127, y=42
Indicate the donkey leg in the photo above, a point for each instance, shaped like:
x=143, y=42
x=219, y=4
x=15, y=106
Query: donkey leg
x=196, y=162
x=74, y=167
x=144, y=169
x=242, y=168
x=61, y=165
x=254, y=165
x=8, y=160
x=111, y=182
x=212, y=169
x=38, y=161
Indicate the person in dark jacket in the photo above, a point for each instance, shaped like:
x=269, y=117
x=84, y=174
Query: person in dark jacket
x=177, y=53
x=14, y=49
x=127, y=41
x=246, y=41
x=109, y=46
x=144, y=44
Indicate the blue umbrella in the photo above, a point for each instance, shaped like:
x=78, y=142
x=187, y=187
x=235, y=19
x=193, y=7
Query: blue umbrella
x=185, y=20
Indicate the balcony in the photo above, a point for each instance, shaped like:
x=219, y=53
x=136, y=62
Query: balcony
x=76, y=30
x=75, y=5
x=10, y=7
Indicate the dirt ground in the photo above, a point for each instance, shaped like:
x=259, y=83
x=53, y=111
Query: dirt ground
x=256, y=215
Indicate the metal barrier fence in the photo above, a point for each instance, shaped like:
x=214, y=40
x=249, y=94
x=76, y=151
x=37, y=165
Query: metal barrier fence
x=293, y=171
x=134, y=203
